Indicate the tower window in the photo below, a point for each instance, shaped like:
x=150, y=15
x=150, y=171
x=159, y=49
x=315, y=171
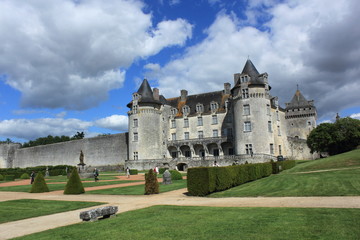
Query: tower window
x=135, y=123
x=136, y=155
x=245, y=93
x=267, y=109
x=186, y=122
x=269, y=126
x=246, y=109
x=173, y=123
x=248, y=149
x=279, y=132
x=271, y=148
x=279, y=149
x=135, y=137
x=247, y=126
x=135, y=108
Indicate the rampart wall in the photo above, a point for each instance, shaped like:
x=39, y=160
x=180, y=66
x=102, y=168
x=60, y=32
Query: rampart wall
x=98, y=151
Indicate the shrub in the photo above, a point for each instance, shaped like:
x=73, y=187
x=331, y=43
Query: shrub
x=133, y=172
x=9, y=177
x=283, y=165
x=162, y=170
x=25, y=176
x=175, y=175
x=39, y=185
x=1, y=177
x=74, y=184
x=151, y=183
x=204, y=180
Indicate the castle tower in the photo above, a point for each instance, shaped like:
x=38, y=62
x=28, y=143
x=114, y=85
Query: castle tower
x=251, y=111
x=145, y=131
x=300, y=115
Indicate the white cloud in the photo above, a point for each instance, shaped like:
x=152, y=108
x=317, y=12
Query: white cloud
x=35, y=128
x=355, y=115
x=114, y=122
x=70, y=54
x=310, y=43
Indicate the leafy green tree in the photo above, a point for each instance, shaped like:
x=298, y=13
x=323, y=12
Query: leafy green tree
x=79, y=135
x=334, y=138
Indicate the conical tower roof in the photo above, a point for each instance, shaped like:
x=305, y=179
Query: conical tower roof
x=250, y=69
x=146, y=92
x=298, y=101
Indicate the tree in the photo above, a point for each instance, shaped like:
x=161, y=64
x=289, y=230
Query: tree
x=74, y=184
x=335, y=138
x=39, y=185
x=151, y=183
x=78, y=135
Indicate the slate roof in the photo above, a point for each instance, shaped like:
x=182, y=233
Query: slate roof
x=146, y=95
x=298, y=101
x=204, y=98
x=255, y=77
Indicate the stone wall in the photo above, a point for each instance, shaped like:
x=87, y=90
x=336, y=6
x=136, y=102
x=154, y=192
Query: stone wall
x=7, y=154
x=98, y=151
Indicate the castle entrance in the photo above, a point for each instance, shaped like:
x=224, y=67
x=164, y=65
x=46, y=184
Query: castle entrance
x=182, y=166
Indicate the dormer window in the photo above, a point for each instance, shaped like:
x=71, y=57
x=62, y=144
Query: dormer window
x=136, y=96
x=173, y=111
x=199, y=108
x=214, y=106
x=245, y=79
x=186, y=110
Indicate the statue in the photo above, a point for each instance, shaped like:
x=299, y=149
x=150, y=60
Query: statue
x=81, y=158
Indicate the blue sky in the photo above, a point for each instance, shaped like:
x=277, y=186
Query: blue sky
x=69, y=66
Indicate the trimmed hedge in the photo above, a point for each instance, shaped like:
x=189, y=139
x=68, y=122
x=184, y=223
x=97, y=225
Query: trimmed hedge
x=162, y=170
x=175, y=175
x=133, y=172
x=282, y=165
x=202, y=181
x=53, y=170
x=9, y=177
x=1, y=177
x=39, y=185
x=25, y=176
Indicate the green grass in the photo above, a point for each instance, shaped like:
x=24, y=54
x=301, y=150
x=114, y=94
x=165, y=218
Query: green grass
x=345, y=160
x=27, y=208
x=175, y=222
x=65, y=179
x=333, y=183
x=140, y=189
x=61, y=186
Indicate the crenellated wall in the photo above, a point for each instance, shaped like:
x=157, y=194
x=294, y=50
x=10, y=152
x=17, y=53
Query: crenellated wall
x=98, y=151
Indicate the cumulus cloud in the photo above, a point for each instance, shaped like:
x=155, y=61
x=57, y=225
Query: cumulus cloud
x=70, y=54
x=31, y=129
x=310, y=43
x=114, y=122
x=355, y=115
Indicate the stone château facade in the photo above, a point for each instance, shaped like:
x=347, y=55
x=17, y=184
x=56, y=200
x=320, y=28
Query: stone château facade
x=238, y=124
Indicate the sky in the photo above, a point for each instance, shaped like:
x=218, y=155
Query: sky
x=72, y=65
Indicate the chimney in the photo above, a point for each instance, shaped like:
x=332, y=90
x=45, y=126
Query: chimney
x=227, y=88
x=156, y=94
x=184, y=94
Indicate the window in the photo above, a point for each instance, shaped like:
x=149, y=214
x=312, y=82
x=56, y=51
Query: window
x=245, y=93
x=173, y=111
x=279, y=132
x=267, y=109
x=199, y=108
x=136, y=155
x=186, y=110
x=244, y=79
x=271, y=148
x=277, y=116
x=309, y=123
x=279, y=149
x=173, y=123
x=173, y=136
x=186, y=135
x=247, y=109
x=215, y=133
x=135, y=96
x=213, y=106
x=214, y=119
x=135, y=123
x=186, y=122
x=135, y=108
x=135, y=137
x=200, y=121
x=187, y=153
x=248, y=149
x=174, y=154
x=269, y=126
x=200, y=134
x=247, y=126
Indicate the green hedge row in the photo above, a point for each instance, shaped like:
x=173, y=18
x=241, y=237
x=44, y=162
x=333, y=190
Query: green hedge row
x=281, y=166
x=133, y=172
x=53, y=170
x=175, y=175
x=202, y=181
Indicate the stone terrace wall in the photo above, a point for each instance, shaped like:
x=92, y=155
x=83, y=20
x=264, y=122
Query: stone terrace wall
x=7, y=154
x=98, y=151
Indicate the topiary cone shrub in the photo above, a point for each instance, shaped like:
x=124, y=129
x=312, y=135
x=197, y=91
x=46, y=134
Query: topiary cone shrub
x=151, y=183
x=74, y=184
x=39, y=185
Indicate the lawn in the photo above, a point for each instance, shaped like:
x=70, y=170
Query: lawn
x=140, y=189
x=175, y=222
x=27, y=208
x=333, y=183
x=65, y=179
x=61, y=186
